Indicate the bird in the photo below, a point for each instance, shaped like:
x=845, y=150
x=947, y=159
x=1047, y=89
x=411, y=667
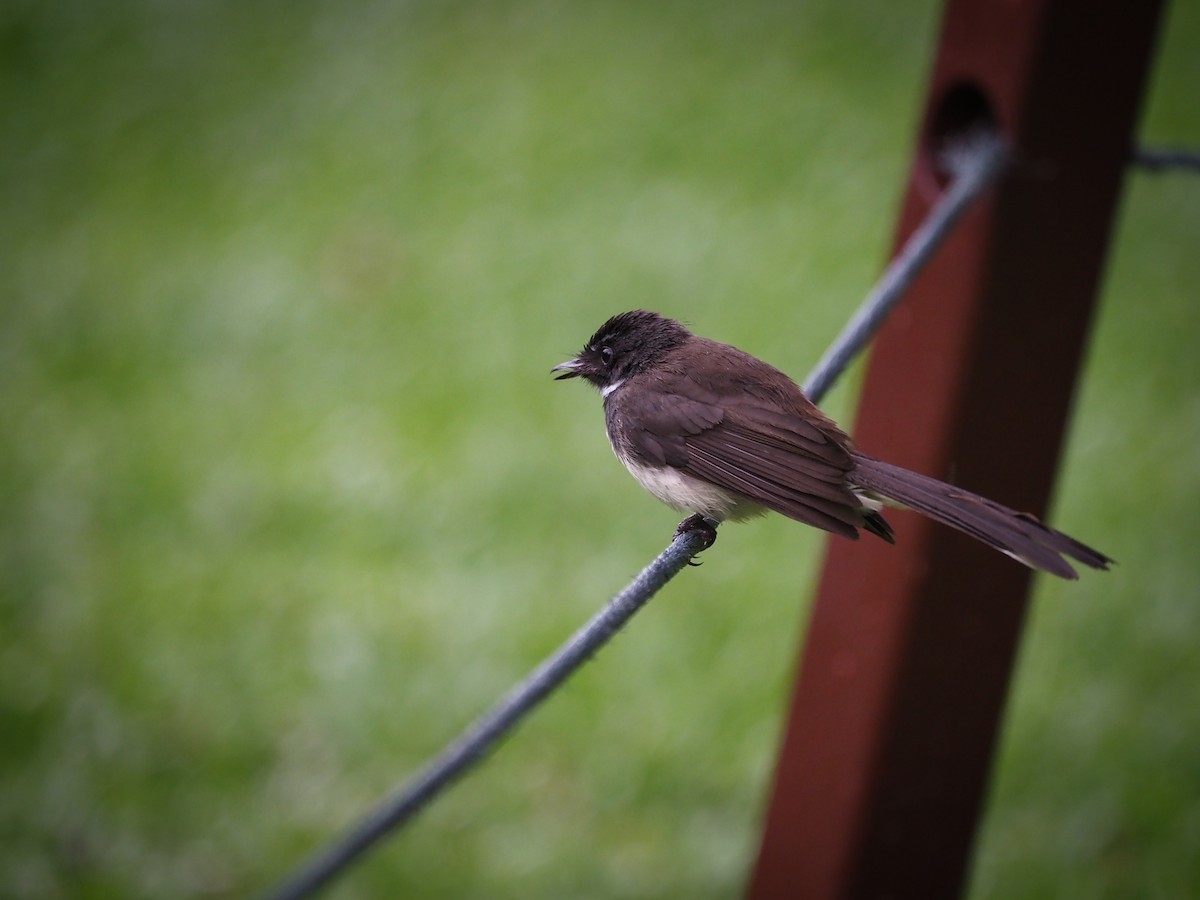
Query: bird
x=719, y=434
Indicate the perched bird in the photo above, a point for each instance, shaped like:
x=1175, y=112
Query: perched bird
x=715, y=432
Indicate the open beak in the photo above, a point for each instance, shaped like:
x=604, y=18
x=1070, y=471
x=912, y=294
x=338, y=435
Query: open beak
x=569, y=369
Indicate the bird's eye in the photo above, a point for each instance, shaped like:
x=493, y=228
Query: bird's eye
x=606, y=355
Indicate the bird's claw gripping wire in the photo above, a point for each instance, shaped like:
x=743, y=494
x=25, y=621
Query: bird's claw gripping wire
x=703, y=526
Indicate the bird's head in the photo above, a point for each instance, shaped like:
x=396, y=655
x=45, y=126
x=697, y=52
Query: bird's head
x=624, y=346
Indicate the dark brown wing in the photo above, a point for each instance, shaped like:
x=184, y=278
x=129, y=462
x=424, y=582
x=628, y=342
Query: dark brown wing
x=780, y=464
x=757, y=436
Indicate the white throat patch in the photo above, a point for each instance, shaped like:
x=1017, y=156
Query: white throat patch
x=604, y=392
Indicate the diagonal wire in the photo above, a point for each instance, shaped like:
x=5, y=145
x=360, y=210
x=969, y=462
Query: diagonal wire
x=976, y=167
x=486, y=731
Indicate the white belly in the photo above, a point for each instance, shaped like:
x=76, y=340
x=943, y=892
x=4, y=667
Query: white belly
x=691, y=495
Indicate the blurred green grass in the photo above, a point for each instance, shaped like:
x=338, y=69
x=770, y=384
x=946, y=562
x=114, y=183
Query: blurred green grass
x=289, y=497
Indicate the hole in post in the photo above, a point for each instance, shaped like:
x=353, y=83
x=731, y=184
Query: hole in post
x=963, y=113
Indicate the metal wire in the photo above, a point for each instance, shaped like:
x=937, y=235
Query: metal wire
x=485, y=732
x=974, y=169
x=1164, y=159
x=974, y=165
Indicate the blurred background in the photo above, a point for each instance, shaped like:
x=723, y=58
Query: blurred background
x=288, y=496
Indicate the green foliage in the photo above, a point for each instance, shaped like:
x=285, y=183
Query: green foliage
x=287, y=495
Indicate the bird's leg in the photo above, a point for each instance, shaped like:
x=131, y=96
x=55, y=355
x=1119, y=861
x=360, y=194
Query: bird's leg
x=702, y=525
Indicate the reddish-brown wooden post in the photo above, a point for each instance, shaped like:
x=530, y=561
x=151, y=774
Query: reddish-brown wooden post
x=908, y=655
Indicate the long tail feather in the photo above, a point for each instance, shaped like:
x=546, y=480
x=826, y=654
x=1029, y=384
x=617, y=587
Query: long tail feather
x=1020, y=535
